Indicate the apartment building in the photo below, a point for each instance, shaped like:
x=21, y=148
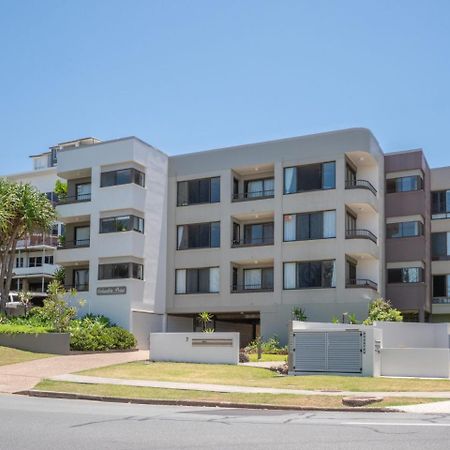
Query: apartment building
x=259, y=229
x=440, y=239
x=324, y=222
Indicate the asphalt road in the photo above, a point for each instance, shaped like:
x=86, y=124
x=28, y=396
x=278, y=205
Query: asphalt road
x=39, y=423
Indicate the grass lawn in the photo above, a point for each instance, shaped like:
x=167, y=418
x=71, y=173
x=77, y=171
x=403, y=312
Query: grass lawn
x=12, y=356
x=110, y=390
x=251, y=376
x=265, y=357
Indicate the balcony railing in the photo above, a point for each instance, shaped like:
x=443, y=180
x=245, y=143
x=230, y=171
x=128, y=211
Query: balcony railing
x=441, y=300
x=246, y=288
x=75, y=199
x=77, y=287
x=361, y=283
x=252, y=242
x=36, y=240
x=360, y=184
x=360, y=234
x=78, y=243
x=256, y=195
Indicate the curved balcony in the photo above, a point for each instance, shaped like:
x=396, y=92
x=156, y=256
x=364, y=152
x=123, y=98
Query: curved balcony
x=361, y=283
x=360, y=184
x=360, y=234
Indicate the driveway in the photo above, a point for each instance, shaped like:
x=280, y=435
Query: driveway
x=22, y=376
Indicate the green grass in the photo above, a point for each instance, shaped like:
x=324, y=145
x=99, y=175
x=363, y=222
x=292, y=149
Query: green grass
x=12, y=328
x=251, y=376
x=266, y=357
x=13, y=356
x=110, y=390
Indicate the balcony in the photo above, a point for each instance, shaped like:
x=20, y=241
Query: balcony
x=249, y=288
x=360, y=184
x=75, y=199
x=441, y=300
x=37, y=240
x=361, y=283
x=255, y=195
x=360, y=234
x=253, y=242
x=40, y=270
x=79, y=243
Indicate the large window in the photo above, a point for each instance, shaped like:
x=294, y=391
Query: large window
x=405, y=275
x=311, y=177
x=81, y=279
x=306, y=226
x=404, y=184
x=309, y=274
x=121, y=223
x=440, y=205
x=404, y=229
x=259, y=188
x=198, y=235
x=441, y=286
x=122, y=176
x=197, y=281
x=440, y=246
x=258, y=279
x=120, y=270
x=204, y=190
x=83, y=192
x=258, y=233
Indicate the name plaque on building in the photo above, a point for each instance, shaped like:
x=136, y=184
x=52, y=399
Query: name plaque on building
x=113, y=290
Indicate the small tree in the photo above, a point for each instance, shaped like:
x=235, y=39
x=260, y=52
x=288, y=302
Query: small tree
x=56, y=311
x=381, y=310
x=61, y=189
x=25, y=298
x=299, y=314
x=60, y=275
x=205, y=318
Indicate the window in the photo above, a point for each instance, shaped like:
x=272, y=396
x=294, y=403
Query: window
x=35, y=261
x=120, y=270
x=81, y=279
x=405, y=275
x=258, y=233
x=204, y=190
x=350, y=174
x=310, y=177
x=307, y=226
x=258, y=279
x=404, y=184
x=83, y=192
x=19, y=261
x=440, y=246
x=440, y=205
x=198, y=235
x=350, y=271
x=197, y=281
x=82, y=236
x=122, y=176
x=309, y=274
x=404, y=229
x=48, y=260
x=121, y=223
x=350, y=221
x=259, y=188
x=441, y=286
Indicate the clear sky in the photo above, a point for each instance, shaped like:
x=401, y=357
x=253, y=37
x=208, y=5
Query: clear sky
x=192, y=75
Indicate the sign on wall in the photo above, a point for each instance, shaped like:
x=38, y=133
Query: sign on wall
x=112, y=290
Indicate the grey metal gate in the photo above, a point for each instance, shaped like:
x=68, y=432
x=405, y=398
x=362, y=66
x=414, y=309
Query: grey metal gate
x=327, y=351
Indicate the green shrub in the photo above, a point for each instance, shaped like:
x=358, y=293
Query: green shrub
x=14, y=328
x=271, y=346
x=95, y=333
x=382, y=310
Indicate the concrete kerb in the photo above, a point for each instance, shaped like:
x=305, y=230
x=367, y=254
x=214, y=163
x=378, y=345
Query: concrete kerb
x=65, y=395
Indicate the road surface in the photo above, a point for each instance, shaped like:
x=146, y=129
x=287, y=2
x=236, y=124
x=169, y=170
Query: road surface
x=42, y=423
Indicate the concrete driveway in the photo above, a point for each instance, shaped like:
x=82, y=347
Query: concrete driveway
x=22, y=376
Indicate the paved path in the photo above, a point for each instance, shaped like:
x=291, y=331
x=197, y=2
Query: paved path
x=427, y=408
x=22, y=376
x=238, y=389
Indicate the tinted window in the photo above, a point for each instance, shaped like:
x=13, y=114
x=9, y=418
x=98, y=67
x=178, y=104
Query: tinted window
x=405, y=275
x=404, y=184
x=204, y=190
x=122, y=176
x=199, y=235
x=404, y=229
x=309, y=274
x=310, y=177
x=440, y=286
x=306, y=226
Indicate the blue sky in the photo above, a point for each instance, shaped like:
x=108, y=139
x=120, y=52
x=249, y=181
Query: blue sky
x=192, y=75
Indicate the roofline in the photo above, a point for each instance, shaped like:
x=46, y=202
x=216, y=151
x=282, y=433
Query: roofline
x=400, y=152
x=37, y=172
x=274, y=141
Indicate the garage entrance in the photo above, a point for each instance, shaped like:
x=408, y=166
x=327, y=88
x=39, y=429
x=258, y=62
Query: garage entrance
x=327, y=351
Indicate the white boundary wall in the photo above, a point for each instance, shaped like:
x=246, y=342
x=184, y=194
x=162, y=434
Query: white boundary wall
x=210, y=348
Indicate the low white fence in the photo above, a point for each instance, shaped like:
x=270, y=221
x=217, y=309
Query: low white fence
x=212, y=348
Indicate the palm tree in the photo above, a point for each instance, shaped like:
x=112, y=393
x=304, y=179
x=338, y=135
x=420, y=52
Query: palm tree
x=23, y=211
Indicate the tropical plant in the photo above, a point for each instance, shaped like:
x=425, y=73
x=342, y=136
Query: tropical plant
x=23, y=211
x=335, y=319
x=299, y=314
x=61, y=189
x=381, y=310
x=205, y=318
x=351, y=318
x=60, y=275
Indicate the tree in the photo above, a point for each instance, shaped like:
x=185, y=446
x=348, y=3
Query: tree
x=381, y=310
x=60, y=189
x=23, y=211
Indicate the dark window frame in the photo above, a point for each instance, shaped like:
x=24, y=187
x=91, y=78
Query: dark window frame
x=297, y=239
x=297, y=288
x=199, y=193
x=197, y=269
x=392, y=184
x=137, y=177
x=216, y=222
x=402, y=277
x=131, y=224
x=310, y=166
x=401, y=226
x=130, y=269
